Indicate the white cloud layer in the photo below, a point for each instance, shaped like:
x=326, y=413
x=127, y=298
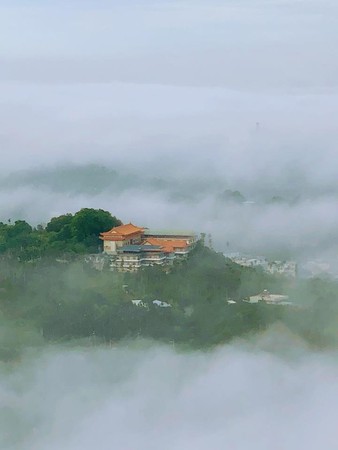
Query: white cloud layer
x=239, y=396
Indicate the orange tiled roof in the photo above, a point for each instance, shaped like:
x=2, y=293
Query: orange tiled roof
x=121, y=232
x=169, y=246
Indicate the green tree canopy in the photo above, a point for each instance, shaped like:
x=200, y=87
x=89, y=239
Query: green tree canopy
x=56, y=224
x=67, y=233
x=88, y=223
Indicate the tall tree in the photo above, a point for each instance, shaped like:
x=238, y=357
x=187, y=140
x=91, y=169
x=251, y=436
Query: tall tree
x=87, y=224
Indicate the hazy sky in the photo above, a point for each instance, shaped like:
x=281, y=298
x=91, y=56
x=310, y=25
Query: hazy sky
x=244, y=92
x=240, y=44
x=79, y=76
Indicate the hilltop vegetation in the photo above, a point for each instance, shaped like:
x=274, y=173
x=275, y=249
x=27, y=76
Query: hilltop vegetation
x=66, y=234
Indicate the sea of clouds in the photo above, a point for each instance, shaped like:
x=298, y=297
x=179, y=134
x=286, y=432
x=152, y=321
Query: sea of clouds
x=270, y=393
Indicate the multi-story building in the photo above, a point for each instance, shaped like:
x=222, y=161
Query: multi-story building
x=130, y=247
x=131, y=257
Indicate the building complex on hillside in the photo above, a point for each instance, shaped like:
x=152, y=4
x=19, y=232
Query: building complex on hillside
x=130, y=247
x=286, y=268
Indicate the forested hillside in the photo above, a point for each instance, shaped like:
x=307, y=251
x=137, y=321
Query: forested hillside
x=46, y=301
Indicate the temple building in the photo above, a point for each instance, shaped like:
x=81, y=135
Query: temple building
x=130, y=247
x=117, y=237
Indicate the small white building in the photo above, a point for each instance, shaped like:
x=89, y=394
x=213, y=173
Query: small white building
x=139, y=303
x=161, y=304
x=270, y=299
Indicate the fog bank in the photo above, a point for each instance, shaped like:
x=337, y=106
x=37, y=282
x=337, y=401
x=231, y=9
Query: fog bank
x=148, y=397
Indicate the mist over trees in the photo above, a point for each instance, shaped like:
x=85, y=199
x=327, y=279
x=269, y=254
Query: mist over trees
x=47, y=300
x=256, y=215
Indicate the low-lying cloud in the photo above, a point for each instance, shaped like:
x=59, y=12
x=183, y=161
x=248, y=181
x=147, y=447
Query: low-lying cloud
x=148, y=397
x=283, y=223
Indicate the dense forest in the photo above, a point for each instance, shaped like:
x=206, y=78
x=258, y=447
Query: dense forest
x=47, y=299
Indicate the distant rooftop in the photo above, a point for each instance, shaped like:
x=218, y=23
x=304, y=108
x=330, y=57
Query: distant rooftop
x=121, y=231
x=152, y=232
x=168, y=246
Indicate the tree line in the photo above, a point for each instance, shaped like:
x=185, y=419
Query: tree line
x=66, y=234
